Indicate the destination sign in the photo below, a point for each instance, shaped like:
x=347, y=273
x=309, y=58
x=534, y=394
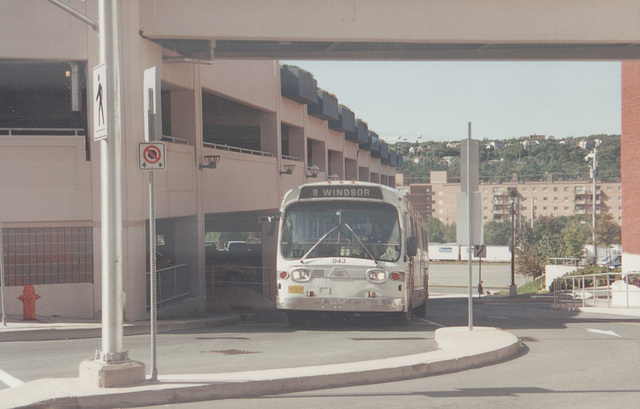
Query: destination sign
x=340, y=192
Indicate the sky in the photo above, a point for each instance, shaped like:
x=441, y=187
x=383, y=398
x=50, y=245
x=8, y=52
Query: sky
x=435, y=101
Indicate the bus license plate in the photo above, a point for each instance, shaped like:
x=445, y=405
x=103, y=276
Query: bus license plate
x=296, y=289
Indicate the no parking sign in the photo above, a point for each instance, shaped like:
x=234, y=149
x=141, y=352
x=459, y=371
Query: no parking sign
x=151, y=156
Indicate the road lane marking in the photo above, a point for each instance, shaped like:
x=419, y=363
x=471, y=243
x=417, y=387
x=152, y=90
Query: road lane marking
x=429, y=322
x=600, y=331
x=9, y=380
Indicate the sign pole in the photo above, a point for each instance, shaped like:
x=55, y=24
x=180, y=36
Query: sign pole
x=4, y=310
x=153, y=308
x=470, y=230
x=153, y=275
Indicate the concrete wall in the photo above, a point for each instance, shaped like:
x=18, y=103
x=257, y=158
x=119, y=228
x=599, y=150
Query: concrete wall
x=554, y=271
x=60, y=300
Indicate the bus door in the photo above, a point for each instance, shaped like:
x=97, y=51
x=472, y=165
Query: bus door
x=410, y=264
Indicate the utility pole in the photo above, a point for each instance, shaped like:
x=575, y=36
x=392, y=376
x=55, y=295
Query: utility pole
x=111, y=365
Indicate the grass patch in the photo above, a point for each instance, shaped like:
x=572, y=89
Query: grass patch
x=533, y=287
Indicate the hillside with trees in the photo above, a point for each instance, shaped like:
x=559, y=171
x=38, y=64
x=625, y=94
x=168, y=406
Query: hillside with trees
x=531, y=158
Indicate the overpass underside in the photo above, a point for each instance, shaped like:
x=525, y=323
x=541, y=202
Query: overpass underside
x=396, y=29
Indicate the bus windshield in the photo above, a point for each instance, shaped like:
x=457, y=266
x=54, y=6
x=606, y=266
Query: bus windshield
x=341, y=229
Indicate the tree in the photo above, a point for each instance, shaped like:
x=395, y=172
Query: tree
x=435, y=230
x=576, y=235
x=497, y=233
x=536, y=246
x=607, y=230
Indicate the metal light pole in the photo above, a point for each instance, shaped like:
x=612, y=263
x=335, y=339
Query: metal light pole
x=111, y=206
x=592, y=173
x=513, y=289
x=593, y=216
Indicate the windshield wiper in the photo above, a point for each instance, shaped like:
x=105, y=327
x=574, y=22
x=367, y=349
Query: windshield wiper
x=375, y=260
x=318, y=242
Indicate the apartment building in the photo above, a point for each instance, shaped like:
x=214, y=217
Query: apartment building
x=531, y=199
x=238, y=135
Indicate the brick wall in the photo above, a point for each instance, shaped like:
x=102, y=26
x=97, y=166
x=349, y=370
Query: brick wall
x=630, y=156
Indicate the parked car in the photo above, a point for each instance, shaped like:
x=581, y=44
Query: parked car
x=613, y=261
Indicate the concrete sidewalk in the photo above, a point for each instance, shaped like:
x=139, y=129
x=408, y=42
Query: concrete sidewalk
x=459, y=349
x=55, y=328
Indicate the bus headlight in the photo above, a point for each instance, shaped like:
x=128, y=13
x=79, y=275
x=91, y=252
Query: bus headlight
x=377, y=275
x=301, y=274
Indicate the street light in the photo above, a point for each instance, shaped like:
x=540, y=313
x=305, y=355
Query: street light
x=592, y=173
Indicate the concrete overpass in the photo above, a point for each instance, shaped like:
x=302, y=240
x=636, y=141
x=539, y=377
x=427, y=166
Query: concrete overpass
x=396, y=29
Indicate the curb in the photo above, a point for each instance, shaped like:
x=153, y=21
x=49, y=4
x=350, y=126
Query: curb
x=60, y=331
x=461, y=349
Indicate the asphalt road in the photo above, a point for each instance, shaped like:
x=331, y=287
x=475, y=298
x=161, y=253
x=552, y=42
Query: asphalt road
x=263, y=341
x=571, y=360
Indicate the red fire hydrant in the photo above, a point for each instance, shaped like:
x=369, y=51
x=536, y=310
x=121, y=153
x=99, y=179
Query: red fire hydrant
x=28, y=299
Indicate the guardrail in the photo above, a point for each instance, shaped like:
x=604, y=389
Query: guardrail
x=172, y=283
x=606, y=290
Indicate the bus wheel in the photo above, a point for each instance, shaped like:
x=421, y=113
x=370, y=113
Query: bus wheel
x=403, y=317
x=421, y=311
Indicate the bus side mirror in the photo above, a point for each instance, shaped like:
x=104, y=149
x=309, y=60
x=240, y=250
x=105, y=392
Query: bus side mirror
x=412, y=246
x=273, y=223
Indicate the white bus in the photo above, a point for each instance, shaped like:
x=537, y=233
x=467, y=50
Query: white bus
x=350, y=247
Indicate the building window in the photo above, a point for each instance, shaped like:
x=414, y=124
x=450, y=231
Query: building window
x=48, y=255
x=535, y=189
x=544, y=189
x=555, y=188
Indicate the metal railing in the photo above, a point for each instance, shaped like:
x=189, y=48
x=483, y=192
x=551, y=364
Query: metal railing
x=596, y=290
x=172, y=283
x=42, y=131
x=237, y=285
x=173, y=139
x=237, y=149
x=565, y=261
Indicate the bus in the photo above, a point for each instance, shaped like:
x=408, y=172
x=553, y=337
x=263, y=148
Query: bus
x=350, y=247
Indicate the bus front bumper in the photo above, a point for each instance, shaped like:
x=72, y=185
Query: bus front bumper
x=341, y=304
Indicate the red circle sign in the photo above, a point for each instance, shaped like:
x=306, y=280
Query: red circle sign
x=152, y=154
